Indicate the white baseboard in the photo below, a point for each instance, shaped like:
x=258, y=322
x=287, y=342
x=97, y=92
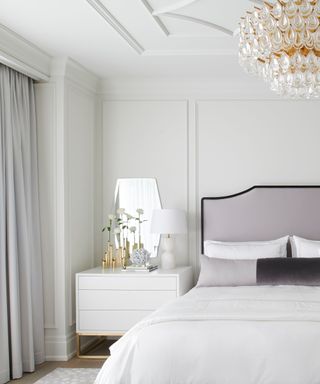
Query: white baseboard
x=60, y=357
x=60, y=348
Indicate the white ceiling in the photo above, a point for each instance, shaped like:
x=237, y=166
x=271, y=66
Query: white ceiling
x=122, y=38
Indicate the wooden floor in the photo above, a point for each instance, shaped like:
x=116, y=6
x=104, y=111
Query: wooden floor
x=47, y=367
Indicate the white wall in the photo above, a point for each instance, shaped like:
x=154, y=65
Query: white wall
x=206, y=139
x=67, y=124
x=257, y=142
x=197, y=137
x=147, y=139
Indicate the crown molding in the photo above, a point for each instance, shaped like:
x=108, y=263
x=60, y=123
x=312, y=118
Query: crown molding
x=116, y=25
x=23, y=56
x=156, y=18
x=73, y=71
x=222, y=88
x=190, y=52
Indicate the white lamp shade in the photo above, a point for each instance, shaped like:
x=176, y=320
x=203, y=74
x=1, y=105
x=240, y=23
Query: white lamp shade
x=168, y=221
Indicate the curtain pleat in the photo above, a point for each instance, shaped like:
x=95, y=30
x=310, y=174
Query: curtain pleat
x=21, y=298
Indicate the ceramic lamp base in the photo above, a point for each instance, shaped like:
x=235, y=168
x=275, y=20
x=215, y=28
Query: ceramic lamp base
x=167, y=257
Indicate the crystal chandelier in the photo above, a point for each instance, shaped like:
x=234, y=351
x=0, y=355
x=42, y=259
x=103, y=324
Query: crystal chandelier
x=280, y=41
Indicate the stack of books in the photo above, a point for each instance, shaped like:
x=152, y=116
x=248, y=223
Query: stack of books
x=142, y=268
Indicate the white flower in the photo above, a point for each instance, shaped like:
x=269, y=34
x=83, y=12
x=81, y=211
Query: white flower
x=133, y=229
x=111, y=217
x=140, y=211
x=120, y=211
x=129, y=217
x=117, y=231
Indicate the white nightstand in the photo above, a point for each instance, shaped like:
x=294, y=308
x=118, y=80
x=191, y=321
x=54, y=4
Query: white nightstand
x=109, y=303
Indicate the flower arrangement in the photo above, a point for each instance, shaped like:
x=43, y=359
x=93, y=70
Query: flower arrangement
x=108, y=227
x=128, y=238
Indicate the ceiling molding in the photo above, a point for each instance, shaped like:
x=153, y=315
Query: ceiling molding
x=116, y=25
x=190, y=52
x=22, y=67
x=23, y=56
x=199, y=21
x=174, y=7
x=259, y=2
x=198, y=89
x=67, y=68
x=156, y=18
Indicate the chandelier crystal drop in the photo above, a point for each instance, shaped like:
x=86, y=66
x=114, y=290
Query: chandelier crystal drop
x=280, y=42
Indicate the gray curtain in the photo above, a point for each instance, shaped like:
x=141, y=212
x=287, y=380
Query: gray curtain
x=21, y=293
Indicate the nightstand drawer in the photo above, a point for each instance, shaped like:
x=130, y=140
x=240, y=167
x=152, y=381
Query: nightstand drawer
x=109, y=321
x=131, y=300
x=153, y=283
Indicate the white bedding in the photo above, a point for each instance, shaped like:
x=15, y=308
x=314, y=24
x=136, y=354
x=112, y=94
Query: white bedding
x=234, y=335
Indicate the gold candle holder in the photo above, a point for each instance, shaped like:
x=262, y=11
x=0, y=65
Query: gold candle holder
x=110, y=255
x=105, y=260
x=118, y=261
x=108, y=259
x=127, y=256
x=124, y=258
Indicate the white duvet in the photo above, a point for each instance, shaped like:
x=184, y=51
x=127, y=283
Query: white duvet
x=234, y=335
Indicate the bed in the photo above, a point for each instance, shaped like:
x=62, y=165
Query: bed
x=267, y=334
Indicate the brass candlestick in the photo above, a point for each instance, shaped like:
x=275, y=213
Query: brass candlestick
x=105, y=260
x=118, y=260
x=110, y=255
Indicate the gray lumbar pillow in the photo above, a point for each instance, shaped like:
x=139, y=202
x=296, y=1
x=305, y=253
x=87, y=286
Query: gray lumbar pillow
x=225, y=272
x=267, y=271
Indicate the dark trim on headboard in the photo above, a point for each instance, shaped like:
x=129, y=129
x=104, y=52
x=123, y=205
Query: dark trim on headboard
x=242, y=193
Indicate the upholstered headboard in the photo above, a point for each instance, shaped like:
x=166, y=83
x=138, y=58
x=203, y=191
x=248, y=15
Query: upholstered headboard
x=262, y=213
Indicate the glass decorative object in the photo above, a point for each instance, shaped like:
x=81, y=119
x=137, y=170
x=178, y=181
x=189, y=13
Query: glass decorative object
x=140, y=257
x=280, y=42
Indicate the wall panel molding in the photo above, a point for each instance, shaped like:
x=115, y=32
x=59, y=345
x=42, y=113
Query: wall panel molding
x=74, y=256
x=66, y=111
x=136, y=119
x=196, y=94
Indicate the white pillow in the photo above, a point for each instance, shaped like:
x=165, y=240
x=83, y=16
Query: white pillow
x=304, y=247
x=246, y=250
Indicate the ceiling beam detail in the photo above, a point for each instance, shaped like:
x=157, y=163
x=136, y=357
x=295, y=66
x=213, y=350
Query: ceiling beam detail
x=174, y=7
x=116, y=25
x=199, y=21
x=156, y=18
x=259, y=2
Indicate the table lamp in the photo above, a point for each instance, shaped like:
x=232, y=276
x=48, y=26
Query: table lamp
x=168, y=222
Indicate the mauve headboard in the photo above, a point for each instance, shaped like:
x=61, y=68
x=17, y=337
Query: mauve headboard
x=262, y=213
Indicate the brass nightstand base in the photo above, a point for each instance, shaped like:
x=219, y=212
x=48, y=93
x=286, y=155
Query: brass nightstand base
x=84, y=353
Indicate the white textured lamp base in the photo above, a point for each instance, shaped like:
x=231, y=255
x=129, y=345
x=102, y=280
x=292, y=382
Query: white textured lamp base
x=167, y=257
